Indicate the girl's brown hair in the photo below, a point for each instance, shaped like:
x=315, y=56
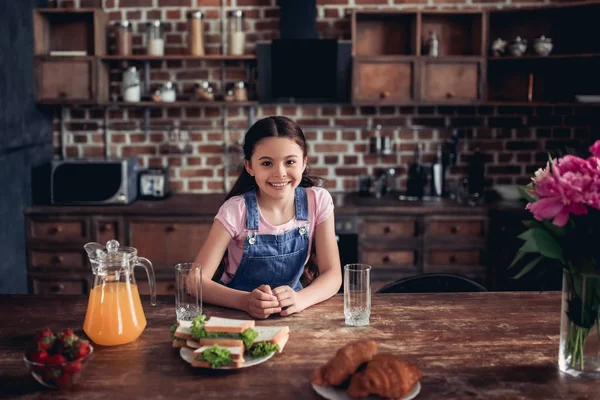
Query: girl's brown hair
x=275, y=126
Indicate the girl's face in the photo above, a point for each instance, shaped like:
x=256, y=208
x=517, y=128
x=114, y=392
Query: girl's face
x=277, y=165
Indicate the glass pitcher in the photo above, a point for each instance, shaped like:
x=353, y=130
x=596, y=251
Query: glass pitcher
x=114, y=315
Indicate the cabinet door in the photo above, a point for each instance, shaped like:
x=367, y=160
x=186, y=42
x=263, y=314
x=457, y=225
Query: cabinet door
x=167, y=242
x=382, y=82
x=108, y=228
x=59, y=286
x=450, y=81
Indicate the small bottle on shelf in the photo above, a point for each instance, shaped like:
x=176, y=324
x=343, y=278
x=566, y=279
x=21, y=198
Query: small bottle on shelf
x=433, y=45
x=196, y=33
x=236, y=34
x=155, y=42
x=123, y=38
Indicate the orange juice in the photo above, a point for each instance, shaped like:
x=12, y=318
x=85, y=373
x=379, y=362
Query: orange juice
x=114, y=314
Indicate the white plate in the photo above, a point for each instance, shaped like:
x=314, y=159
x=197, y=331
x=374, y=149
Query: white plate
x=334, y=393
x=186, y=354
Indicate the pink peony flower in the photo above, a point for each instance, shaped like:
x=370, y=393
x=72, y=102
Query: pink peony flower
x=595, y=149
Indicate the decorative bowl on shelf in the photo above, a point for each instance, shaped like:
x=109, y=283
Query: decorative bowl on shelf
x=58, y=375
x=543, y=46
x=498, y=47
x=518, y=47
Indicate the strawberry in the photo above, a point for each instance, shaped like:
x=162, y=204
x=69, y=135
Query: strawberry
x=80, y=349
x=45, y=339
x=72, y=367
x=39, y=356
x=64, y=380
x=56, y=360
x=67, y=338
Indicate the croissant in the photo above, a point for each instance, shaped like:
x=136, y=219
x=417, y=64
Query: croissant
x=345, y=362
x=387, y=376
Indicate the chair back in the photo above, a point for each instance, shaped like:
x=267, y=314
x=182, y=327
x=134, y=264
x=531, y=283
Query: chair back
x=433, y=283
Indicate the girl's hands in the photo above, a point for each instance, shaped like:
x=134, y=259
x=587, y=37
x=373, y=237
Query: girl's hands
x=287, y=297
x=262, y=302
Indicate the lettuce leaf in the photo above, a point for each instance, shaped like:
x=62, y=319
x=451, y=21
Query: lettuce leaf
x=263, y=348
x=217, y=356
x=173, y=329
x=198, y=330
x=248, y=336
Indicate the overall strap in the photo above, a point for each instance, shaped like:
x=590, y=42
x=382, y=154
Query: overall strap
x=301, y=203
x=252, y=215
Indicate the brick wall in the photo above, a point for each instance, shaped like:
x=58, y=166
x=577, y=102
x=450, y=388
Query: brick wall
x=514, y=139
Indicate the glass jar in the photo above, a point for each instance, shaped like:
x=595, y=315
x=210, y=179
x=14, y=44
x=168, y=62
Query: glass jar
x=203, y=91
x=240, y=93
x=123, y=38
x=131, y=85
x=155, y=42
x=236, y=34
x=167, y=92
x=196, y=33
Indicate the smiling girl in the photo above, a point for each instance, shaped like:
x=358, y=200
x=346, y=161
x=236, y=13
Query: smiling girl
x=268, y=225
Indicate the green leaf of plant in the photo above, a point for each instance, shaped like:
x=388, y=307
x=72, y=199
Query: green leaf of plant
x=529, y=247
x=517, y=258
x=528, y=267
x=550, y=162
x=523, y=191
x=547, y=245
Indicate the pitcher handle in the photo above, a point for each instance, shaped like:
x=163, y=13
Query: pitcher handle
x=144, y=262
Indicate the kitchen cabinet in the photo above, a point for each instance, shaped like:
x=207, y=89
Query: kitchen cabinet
x=407, y=245
x=397, y=242
x=167, y=241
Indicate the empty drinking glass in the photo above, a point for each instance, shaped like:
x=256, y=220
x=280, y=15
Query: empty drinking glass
x=188, y=300
x=357, y=294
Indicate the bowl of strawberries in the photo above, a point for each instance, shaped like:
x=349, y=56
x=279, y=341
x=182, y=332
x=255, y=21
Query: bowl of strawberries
x=57, y=360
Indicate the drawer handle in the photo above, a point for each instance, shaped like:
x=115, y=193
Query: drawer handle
x=106, y=228
x=384, y=94
x=57, y=288
x=57, y=260
x=449, y=95
x=171, y=286
x=62, y=95
x=454, y=229
x=55, y=229
x=170, y=229
x=386, y=259
x=387, y=229
x=452, y=260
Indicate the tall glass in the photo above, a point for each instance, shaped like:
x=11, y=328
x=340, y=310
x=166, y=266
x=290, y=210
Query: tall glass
x=357, y=294
x=188, y=298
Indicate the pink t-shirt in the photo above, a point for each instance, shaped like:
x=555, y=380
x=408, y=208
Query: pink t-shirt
x=232, y=215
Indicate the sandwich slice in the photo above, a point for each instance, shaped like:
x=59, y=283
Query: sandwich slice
x=184, y=330
x=269, y=339
x=178, y=341
x=223, y=331
x=218, y=356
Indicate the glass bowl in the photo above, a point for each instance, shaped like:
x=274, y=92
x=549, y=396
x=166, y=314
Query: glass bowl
x=59, y=376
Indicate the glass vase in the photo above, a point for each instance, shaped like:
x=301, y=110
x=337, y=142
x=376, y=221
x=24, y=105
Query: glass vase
x=579, y=349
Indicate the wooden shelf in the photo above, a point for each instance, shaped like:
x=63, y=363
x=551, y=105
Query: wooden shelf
x=550, y=57
x=182, y=57
x=66, y=10
x=182, y=104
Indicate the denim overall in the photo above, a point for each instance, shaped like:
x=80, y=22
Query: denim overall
x=273, y=260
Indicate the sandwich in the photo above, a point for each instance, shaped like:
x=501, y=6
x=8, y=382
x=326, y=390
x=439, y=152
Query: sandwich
x=269, y=339
x=181, y=333
x=218, y=356
x=223, y=331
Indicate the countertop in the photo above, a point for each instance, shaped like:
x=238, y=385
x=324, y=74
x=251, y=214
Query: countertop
x=469, y=345
x=344, y=203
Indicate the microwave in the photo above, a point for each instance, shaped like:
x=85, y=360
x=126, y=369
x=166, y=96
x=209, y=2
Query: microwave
x=94, y=181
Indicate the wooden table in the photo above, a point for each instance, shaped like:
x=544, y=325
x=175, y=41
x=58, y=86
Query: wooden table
x=470, y=346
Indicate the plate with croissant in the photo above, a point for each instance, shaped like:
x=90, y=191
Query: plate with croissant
x=358, y=371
